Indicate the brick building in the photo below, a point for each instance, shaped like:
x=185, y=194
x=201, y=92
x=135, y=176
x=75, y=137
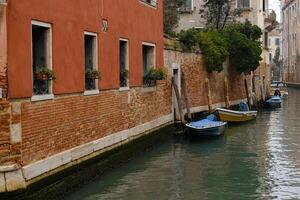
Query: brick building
x=46, y=126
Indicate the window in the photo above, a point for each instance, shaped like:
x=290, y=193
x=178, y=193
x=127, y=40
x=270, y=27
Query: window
x=277, y=41
x=90, y=61
x=41, y=58
x=150, y=2
x=270, y=57
x=243, y=3
x=148, y=57
x=187, y=6
x=266, y=39
x=124, y=63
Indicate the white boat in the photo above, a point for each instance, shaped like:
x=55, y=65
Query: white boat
x=206, y=127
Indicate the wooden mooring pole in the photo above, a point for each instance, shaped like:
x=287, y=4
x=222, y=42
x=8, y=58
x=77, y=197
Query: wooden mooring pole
x=177, y=95
x=247, y=91
x=226, y=92
x=208, y=95
x=186, y=96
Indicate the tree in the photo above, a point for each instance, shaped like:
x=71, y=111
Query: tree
x=244, y=46
x=217, y=13
x=171, y=15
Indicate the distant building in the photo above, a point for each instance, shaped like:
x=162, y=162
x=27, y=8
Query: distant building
x=274, y=43
x=290, y=41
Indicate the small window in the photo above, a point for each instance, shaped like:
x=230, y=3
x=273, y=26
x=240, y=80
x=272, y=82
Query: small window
x=148, y=53
x=124, y=63
x=277, y=41
x=243, y=3
x=41, y=58
x=150, y=2
x=187, y=6
x=91, y=61
x=270, y=57
x=148, y=57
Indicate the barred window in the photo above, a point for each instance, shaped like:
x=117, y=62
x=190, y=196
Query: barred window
x=243, y=3
x=187, y=6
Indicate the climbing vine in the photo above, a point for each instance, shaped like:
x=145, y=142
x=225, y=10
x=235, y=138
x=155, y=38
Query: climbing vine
x=238, y=41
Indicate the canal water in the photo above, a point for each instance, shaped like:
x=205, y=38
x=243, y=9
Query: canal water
x=255, y=160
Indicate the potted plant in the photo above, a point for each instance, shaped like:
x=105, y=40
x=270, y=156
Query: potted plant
x=44, y=74
x=154, y=75
x=92, y=74
x=124, y=73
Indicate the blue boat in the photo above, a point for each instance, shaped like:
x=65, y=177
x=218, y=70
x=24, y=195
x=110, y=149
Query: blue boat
x=274, y=102
x=206, y=127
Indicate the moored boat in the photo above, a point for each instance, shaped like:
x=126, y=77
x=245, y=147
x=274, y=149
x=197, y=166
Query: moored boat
x=206, y=127
x=235, y=116
x=274, y=102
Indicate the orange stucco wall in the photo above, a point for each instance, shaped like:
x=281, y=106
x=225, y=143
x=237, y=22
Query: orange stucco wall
x=126, y=19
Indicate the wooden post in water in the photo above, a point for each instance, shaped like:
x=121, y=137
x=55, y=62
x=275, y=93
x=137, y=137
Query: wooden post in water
x=247, y=91
x=175, y=87
x=186, y=96
x=208, y=95
x=226, y=91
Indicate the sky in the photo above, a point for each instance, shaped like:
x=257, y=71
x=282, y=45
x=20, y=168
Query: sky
x=275, y=5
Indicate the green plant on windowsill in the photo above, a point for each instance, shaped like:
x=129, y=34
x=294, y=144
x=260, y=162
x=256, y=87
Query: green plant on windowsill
x=44, y=74
x=124, y=73
x=154, y=75
x=91, y=73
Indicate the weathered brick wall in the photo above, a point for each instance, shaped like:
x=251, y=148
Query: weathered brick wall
x=193, y=68
x=51, y=127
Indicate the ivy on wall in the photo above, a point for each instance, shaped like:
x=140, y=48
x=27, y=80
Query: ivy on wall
x=238, y=41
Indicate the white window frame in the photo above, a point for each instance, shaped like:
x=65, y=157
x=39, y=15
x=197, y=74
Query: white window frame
x=127, y=64
x=149, y=4
x=50, y=64
x=154, y=46
x=96, y=64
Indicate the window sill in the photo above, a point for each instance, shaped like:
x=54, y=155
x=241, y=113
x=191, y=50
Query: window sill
x=149, y=89
x=42, y=97
x=91, y=92
x=123, y=89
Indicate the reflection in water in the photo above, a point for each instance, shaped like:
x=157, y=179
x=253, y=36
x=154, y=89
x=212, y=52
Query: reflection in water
x=284, y=150
x=256, y=160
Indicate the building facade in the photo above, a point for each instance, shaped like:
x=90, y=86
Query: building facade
x=274, y=45
x=47, y=125
x=290, y=41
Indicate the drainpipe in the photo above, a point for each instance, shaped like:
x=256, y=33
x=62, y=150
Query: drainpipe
x=11, y=175
x=3, y=50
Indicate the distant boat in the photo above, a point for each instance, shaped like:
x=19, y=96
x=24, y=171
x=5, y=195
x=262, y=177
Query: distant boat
x=236, y=116
x=274, y=102
x=206, y=127
x=281, y=87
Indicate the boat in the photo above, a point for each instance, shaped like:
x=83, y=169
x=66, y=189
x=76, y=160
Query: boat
x=235, y=116
x=274, y=102
x=281, y=87
x=206, y=127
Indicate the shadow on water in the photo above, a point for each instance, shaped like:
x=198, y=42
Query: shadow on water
x=255, y=160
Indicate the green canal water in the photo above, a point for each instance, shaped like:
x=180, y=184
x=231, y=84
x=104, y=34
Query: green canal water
x=255, y=160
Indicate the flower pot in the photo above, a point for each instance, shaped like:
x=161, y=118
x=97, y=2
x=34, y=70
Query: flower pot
x=42, y=77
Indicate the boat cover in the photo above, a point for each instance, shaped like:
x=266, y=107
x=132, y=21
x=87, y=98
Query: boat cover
x=274, y=99
x=206, y=123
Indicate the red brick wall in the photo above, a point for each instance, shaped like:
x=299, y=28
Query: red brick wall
x=195, y=72
x=54, y=126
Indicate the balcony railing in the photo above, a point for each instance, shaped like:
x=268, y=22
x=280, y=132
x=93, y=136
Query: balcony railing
x=152, y=3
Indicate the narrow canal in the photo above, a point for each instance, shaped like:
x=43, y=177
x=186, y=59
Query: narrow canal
x=256, y=160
